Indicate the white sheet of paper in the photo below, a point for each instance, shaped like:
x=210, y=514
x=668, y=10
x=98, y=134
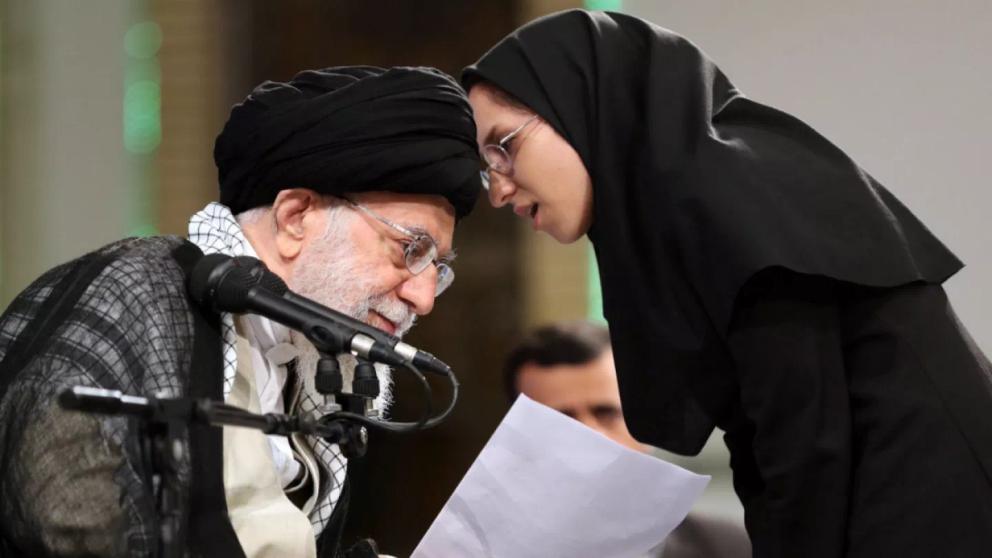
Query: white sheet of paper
x=546, y=485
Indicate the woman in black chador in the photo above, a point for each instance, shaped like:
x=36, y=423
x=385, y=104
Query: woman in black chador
x=755, y=279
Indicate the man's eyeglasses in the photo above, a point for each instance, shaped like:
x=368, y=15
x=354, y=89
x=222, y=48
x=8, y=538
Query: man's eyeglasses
x=419, y=250
x=497, y=157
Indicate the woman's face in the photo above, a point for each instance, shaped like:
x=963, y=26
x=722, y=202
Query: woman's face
x=548, y=183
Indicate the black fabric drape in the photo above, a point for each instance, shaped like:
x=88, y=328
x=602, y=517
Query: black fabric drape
x=696, y=189
x=206, y=520
x=851, y=437
x=75, y=484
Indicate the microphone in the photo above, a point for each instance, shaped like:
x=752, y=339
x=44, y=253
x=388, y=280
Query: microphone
x=409, y=353
x=244, y=284
x=222, y=282
x=269, y=280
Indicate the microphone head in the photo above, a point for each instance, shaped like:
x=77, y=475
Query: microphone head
x=270, y=281
x=205, y=275
x=231, y=293
x=261, y=276
x=219, y=281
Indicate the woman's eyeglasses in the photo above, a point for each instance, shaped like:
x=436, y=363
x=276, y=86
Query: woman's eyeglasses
x=497, y=157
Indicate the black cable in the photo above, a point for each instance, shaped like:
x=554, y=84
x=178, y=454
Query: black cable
x=399, y=427
x=451, y=405
x=229, y=414
x=390, y=425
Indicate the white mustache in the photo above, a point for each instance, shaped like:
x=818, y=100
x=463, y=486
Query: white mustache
x=397, y=312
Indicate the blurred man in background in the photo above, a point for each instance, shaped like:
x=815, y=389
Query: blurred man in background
x=569, y=367
x=347, y=183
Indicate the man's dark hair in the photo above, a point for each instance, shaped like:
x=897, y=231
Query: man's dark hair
x=573, y=343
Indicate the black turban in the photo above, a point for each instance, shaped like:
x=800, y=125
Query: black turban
x=351, y=129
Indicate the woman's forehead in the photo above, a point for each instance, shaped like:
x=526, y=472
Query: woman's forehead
x=493, y=119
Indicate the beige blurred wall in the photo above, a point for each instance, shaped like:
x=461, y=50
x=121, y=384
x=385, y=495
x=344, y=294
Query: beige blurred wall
x=67, y=183
x=63, y=178
x=902, y=86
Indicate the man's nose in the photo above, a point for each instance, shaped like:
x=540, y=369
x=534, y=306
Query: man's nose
x=501, y=189
x=418, y=291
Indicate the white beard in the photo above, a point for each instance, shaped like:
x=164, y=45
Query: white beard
x=329, y=273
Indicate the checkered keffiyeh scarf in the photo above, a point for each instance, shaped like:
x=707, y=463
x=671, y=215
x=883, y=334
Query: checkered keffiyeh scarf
x=215, y=230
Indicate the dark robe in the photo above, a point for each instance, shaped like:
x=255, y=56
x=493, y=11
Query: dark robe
x=757, y=279
x=861, y=424
x=74, y=484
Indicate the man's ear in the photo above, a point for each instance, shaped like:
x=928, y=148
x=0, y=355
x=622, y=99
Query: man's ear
x=295, y=212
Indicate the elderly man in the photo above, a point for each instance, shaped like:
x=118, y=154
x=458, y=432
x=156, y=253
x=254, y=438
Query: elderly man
x=347, y=183
x=569, y=367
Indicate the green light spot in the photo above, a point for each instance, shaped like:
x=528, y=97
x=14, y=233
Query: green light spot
x=143, y=40
x=142, y=117
x=143, y=230
x=604, y=5
x=142, y=70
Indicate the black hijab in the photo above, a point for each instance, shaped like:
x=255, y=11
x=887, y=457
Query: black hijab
x=696, y=189
x=351, y=129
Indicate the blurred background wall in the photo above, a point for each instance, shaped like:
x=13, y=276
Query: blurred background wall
x=901, y=85
x=109, y=108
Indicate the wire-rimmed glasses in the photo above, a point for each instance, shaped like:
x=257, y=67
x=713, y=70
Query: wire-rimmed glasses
x=497, y=157
x=419, y=250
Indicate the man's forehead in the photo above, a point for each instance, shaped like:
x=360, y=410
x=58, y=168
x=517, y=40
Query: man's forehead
x=594, y=381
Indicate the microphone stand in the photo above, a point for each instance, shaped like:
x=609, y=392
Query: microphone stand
x=164, y=421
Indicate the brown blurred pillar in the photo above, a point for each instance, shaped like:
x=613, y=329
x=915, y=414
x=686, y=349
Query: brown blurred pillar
x=203, y=73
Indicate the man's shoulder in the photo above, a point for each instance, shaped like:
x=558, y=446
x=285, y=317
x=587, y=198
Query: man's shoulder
x=133, y=268
x=126, y=294
x=140, y=268
x=150, y=251
x=144, y=251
